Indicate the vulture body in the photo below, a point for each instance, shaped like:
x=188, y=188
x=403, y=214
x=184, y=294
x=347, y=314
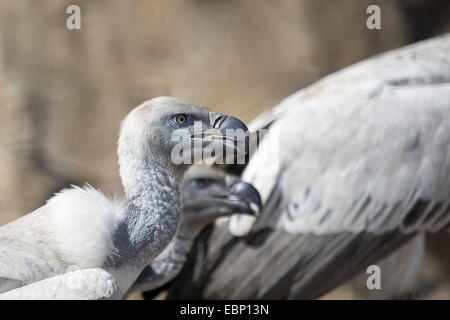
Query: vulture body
x=350, y=168
x=82, y=245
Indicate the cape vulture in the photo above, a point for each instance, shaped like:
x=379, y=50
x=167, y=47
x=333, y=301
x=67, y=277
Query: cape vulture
x=206, y=195
x=111, y=241
x=350, y=168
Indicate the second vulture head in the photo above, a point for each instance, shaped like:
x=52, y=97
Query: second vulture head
x=208, y=194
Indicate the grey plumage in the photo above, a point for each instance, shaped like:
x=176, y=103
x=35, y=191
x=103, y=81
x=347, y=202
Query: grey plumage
x=207, y=194
x=363, y=166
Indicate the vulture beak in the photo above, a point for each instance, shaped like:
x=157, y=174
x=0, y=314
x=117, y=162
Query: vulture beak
x=229, y=132
x=243, y=197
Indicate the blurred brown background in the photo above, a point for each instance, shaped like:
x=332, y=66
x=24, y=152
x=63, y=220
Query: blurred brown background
x=63, y=92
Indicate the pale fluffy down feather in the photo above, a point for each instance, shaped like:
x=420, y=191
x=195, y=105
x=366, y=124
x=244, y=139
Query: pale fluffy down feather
x=81, y=223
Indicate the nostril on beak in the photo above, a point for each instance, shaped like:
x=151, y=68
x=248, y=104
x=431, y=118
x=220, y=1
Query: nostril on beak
x=217, y=119
x=218, y=122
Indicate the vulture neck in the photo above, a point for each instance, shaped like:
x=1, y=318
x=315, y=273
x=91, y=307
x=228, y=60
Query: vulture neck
x=180, y=246
x=167, y=265
x=150, y=220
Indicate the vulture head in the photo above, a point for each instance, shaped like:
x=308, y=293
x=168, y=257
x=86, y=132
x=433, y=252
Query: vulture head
x=208, y=194
x=153, y=138
x=173, y=134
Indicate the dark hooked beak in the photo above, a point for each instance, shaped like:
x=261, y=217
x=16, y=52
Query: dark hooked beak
x=226, y=140
x=231, y=131
x=243, y=197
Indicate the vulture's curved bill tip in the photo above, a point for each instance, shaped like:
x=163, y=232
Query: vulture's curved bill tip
x=249, y=196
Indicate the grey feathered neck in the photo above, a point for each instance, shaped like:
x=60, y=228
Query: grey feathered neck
x=167, y=265
x=152, y=213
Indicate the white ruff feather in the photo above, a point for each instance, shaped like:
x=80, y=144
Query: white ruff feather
x=81, y=223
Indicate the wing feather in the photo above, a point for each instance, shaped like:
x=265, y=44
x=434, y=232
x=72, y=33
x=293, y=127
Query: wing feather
x=362, y=164
x=366, y=148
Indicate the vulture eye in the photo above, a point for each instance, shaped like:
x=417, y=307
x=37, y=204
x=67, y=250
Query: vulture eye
x=202, y=183
x=180, y=118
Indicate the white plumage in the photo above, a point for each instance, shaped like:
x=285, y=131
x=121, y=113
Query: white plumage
x=360, y=142
x=82, y=222
x=79, y=223
x=364, y=150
